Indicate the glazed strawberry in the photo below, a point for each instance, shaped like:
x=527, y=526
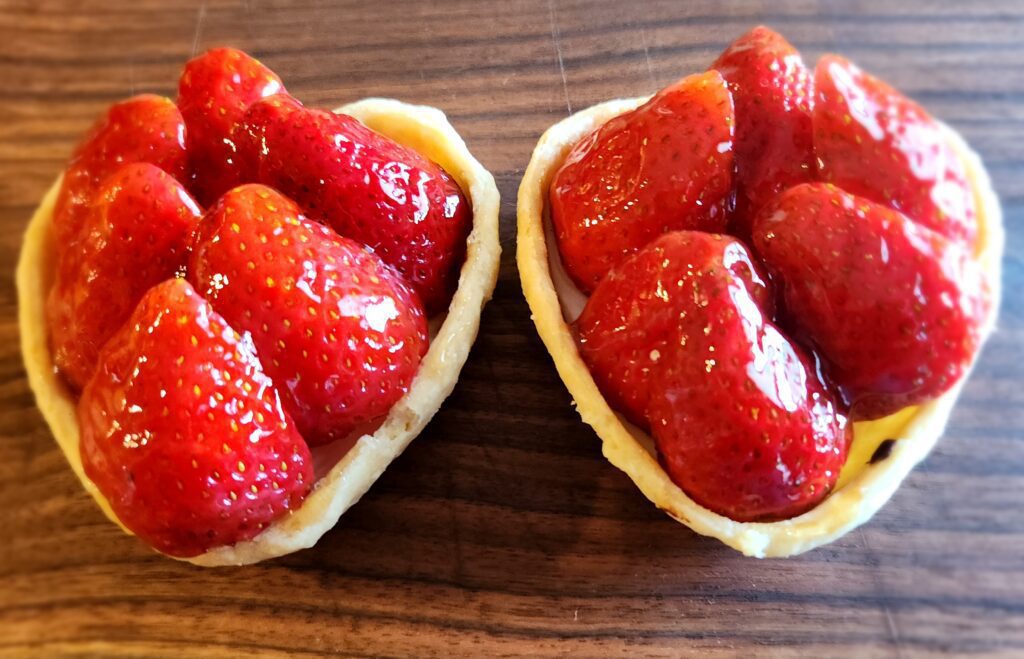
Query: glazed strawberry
x=894, y=308
x=873, y=142
x=744, y=423
x=214, y=92
x=664, y=166
x=631, y=322
x=133, y=236
x=676, y=338
x=741, y=419
x=773, y=93
x=144, y=128
x=338, y=330
x=366, y=187
x=184, y=434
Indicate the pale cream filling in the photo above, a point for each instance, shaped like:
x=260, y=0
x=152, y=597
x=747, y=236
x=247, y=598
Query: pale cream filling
x=862, y=488
x=341, y=481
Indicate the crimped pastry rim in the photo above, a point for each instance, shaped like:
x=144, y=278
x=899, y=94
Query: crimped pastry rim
x=859, y=494
x=426, y=130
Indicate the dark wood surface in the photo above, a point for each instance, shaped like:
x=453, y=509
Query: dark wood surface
x=502, y=530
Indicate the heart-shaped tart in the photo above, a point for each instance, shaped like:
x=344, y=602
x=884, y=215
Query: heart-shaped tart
x=764, y=287
x=227, y=383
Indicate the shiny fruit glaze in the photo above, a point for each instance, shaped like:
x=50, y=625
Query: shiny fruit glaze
x=184, y=434
x=665, y=166
x=744, y=421
x=134, y=235
x=893, y=307
x=741, y=418
x=632, y=320
x=214, y=92
x=773, y=92
x=364, y=186
x=712, y=439
x=873, y=142
x=336, y=329
x=144, y=128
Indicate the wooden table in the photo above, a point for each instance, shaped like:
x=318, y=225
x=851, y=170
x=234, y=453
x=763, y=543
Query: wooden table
x=502, y=530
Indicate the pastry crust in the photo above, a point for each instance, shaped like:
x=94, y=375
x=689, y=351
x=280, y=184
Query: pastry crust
x=422, y=128
x=862, y=488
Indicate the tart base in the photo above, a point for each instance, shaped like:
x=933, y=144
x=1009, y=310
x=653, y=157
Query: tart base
x=424, y=129
x=863, y=487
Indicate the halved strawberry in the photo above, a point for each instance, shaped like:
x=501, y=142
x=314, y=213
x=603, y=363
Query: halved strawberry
x=742, y=420
x=366, y=187
x=774, y=93
x=336, y=328
x=134, y=236
x=894, y=308
x=632, y=320
x=874, y=142
x=744, y=423
x=214, y=92
x=184, y=434
x=144, y=128
x=664, y=166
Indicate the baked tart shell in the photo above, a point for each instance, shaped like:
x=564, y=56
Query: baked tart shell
x=340, y=483
x=875, y=467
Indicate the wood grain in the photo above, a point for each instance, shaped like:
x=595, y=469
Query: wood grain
x=502, y=530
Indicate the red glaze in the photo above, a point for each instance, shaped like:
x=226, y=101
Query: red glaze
x=339, y=331
x=214, y=92
x=664, y=166
x=183, y=433
x=894, y=308
x=631, y=322
x=750, y=430
x=773, y=92
x=874, y=142
x=366, y=187
x=742, y=419
x=134, y=236
x=144, y=128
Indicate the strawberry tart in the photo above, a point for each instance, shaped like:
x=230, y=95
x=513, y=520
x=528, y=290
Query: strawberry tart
x=764, y=287
x=236, y=310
